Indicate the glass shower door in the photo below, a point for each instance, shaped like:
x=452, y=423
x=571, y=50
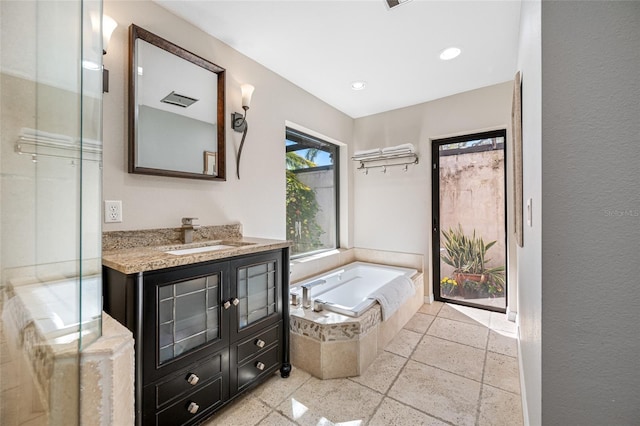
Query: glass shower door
x=50, y=185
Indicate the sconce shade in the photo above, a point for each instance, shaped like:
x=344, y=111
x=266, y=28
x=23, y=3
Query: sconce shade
x=108, y=26
x=247, y=92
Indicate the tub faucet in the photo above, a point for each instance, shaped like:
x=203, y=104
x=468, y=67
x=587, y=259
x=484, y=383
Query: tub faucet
x=187, y=229
x=306, y=290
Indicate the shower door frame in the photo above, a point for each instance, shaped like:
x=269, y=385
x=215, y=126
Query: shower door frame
x=435, y=215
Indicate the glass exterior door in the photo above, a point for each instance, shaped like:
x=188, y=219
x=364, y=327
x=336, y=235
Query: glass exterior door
x=469, y=220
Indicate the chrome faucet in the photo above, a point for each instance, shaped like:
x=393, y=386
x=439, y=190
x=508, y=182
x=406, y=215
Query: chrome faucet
x=187, y=229
x=306, y=290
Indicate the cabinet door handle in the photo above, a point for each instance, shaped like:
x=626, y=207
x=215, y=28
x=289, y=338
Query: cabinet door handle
x=193, y=407
x=260, y=343
x=235, y=301
x=192, y=379
x=259, y=366
x=226, y=304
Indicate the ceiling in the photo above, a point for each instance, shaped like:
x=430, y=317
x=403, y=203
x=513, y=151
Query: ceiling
x=323, y=46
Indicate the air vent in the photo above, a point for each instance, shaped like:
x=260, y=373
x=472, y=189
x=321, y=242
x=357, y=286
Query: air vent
x=183, y=101
x=393, y=3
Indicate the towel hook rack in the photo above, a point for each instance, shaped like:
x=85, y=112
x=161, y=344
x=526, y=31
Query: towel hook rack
x=386, y=161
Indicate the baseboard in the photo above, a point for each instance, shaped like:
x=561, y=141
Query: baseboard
x=523, y=393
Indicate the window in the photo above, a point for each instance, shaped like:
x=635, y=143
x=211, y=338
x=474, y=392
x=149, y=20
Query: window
x=312, y=193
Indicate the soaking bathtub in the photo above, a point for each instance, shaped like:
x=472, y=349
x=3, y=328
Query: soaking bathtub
x=347, y=290
x=54, y=308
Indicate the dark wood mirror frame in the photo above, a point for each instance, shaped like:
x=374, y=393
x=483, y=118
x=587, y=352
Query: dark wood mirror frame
x=136, y=33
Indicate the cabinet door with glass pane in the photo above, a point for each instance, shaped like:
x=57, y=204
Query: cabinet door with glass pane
x=257, y=298
x=186, y=314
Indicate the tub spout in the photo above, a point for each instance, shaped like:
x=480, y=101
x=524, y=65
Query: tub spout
x=306, y=289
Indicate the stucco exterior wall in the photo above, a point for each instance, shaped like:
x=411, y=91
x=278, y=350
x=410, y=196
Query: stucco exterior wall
x=472, y=194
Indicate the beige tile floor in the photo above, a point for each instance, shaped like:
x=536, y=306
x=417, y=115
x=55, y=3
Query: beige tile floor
x=450, y=365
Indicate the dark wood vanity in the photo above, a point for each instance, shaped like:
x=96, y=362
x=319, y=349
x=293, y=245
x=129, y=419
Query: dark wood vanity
x=204, y=332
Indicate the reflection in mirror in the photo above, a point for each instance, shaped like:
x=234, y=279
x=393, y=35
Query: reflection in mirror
x=210, y=163
x=176, y=110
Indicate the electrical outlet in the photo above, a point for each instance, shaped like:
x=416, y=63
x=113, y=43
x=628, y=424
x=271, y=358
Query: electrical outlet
x=112, y=211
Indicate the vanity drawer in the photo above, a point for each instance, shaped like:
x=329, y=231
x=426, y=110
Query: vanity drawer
x=189, y=379
x=264, y=363
x=261, y=342
x=199, y=402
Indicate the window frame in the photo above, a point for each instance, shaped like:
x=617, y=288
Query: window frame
x=308, y=141
x=435, y=212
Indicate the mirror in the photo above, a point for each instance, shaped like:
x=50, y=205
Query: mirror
x=176, y=110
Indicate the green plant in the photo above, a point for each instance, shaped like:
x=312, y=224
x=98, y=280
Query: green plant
x=302, y=207
x=495, y=287
x=448, y=286
x=468, y=256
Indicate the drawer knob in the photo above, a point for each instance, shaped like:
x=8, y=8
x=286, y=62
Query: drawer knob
x=192, y=379
x=227, y=304
x=259, y=366
x=193, y=407
x=235, y=301
x=260, y=343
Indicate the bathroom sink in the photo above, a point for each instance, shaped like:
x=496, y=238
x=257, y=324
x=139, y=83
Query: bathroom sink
x=199, y=249
x=221, y=245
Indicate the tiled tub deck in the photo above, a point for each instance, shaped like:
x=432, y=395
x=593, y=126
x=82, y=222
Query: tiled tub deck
x=330, y=345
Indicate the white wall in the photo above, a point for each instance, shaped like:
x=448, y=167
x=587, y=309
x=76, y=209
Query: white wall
x=392, y=211
x=529, y=257
x=590, y=213
x=257, y=200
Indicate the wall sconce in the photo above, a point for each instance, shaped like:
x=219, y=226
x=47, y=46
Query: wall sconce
x=108, y=26
x=239, y=120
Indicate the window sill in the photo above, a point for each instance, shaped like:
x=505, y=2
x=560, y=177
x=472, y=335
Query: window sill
x=314, y=255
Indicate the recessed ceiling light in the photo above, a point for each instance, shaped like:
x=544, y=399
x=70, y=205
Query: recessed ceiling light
x=358, y=85
x=450, y=53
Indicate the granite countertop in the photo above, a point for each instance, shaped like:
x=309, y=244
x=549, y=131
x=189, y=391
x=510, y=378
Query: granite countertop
x=150, y=258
